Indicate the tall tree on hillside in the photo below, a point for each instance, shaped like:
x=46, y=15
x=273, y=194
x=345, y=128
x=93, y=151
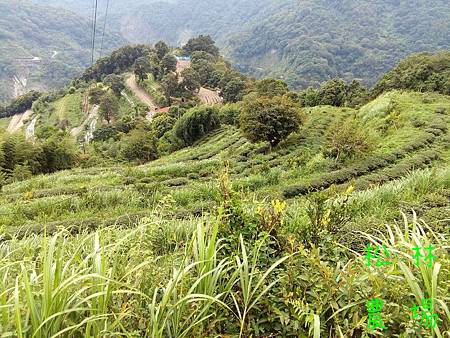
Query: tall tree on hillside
x=142, y=67
x=170, y=86
x=191, y=79
x=201, y=43
x=168, y=64
x=333, y=92
x=270, y=119
x=161, y=49
x=204, y=69
x=109, y=107
x=271, y=87
x=115, y=82
x=234, y=90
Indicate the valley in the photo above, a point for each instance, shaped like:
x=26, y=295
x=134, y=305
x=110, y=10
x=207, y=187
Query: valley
x=42, y=48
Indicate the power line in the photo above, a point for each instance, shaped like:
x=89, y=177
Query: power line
x=94, y=30
x=104, y=27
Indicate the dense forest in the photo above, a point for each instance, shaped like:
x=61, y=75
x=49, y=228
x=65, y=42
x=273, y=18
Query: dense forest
x=304, y=43
x=314, y=41
x=59, y=38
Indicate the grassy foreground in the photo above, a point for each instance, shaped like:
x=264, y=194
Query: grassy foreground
x=233, y=239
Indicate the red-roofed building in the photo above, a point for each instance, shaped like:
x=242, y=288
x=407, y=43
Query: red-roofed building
x=163, y=110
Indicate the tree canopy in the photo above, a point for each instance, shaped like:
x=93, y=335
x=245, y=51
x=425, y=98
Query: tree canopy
x=270, y=119
x=423, y=72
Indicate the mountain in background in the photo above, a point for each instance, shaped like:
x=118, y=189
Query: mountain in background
x=304, y=42
x=43, y=47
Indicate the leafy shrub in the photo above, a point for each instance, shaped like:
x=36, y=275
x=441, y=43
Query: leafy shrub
x=95, y=95
x=58, y=154
x=138, y=145
x=196, y=123
x=270, y=119
x=161, y=124
x=229, y=114
x=347, y=139
x=168, y=143
x=21, y=172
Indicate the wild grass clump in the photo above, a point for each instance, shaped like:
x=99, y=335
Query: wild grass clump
x=159, y=280
x=339, y=283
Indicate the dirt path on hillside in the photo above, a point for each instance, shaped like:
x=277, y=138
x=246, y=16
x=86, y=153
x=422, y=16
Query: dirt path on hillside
x=93, y=115
x=17, y=121
x=142, y=95
x=205, y=95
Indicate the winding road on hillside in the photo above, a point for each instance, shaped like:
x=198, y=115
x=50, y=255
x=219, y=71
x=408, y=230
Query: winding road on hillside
x=142, y=95
x=18, y=120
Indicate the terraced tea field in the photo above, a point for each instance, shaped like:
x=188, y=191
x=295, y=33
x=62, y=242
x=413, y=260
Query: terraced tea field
x=410, y=137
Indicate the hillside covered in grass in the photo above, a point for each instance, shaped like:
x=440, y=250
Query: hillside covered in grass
x=407, y=131
x=136, y=208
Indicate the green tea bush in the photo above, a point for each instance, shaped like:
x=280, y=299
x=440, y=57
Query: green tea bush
x=176, y=182
x=441, y=110
x=363, y=167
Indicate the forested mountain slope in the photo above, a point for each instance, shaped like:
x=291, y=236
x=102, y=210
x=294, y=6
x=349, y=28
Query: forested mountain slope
x=314, y=40
x=58, y=40
x=304, y=42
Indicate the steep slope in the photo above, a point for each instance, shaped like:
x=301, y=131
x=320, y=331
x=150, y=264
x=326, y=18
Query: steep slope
x=42, y=47
x=409, y=130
